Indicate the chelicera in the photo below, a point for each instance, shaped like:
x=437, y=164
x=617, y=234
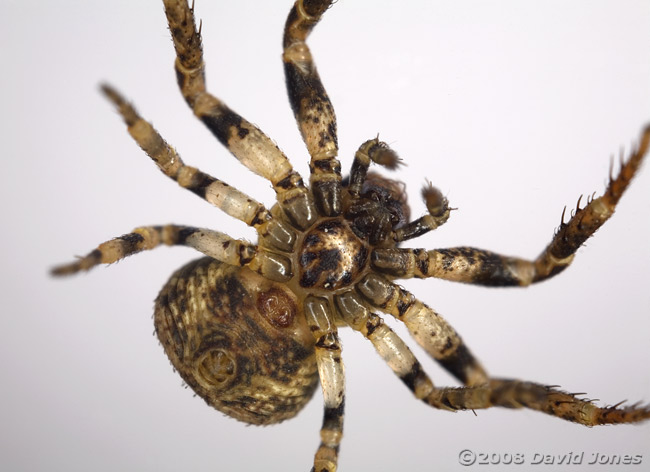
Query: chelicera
x=252, y=328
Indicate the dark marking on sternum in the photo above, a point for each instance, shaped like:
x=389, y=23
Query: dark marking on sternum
x=331, y=256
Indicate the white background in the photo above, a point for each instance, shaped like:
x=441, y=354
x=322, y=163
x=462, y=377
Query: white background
x=512, y=108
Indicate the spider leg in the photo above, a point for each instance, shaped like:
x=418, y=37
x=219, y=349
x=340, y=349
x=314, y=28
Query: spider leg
x=510, y=393
x=211, y=243
x=478, y=266
x=430, y=330
x=332, y=379
x=311, y=105
x=243, y=139
x=438, y=338
x=388, y=344
x=233, y=202
x=227, y=198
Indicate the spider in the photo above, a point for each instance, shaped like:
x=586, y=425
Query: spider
x=252, y=328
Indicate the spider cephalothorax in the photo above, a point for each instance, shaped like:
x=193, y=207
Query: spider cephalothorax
x=253, y=327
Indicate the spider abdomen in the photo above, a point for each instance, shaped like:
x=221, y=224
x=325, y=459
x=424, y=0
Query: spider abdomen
x=238, y=340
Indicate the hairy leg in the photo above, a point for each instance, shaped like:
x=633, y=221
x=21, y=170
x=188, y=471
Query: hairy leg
x=228, y=199
x=311, y=105
x=517, y=394
x=388, y=344
x=429, y=329
x=478, y=266
x=332, y=379
x=243, y=139
x=495, y=392
x=273, y=232
x=211, y=243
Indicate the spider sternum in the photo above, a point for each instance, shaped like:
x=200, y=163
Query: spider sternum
x=328, y=258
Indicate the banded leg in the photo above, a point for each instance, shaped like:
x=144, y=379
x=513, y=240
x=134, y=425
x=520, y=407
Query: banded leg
x=478, y=266
x=233, y=202
x=517, y=394
x=429, y=329
x=243, y=139
x=211, y=243
x=332, y=379
x=311, y=105
x=388, y=344
x=227, y=198
x=496, y=392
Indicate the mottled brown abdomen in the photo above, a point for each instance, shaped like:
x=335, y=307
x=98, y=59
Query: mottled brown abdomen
x=239, y=340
